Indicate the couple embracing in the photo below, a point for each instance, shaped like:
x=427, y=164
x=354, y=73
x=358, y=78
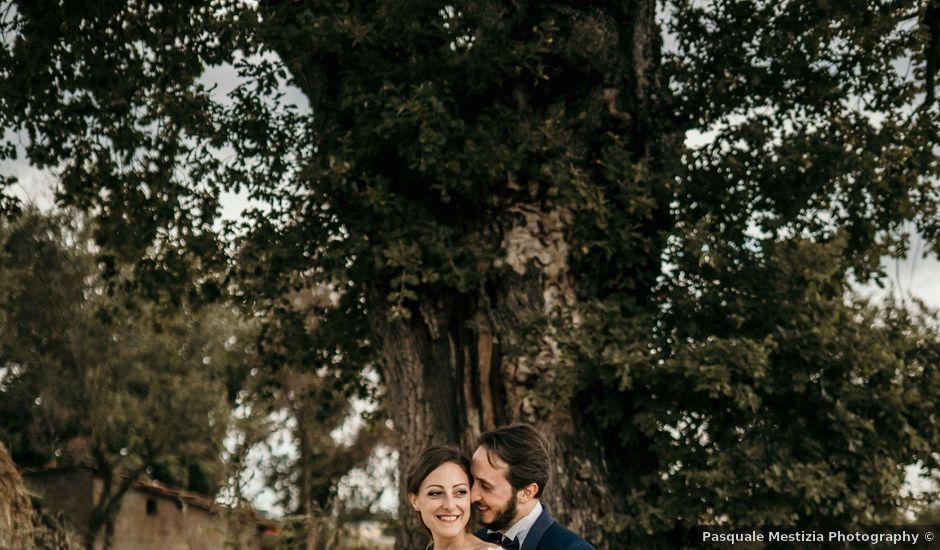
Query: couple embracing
x=503, y=481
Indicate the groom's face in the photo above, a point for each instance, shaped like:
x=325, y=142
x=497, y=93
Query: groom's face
x=492, y=494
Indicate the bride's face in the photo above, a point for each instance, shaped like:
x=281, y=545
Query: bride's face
x=443, y=500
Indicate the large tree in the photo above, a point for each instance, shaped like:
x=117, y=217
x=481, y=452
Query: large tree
x=501, y=197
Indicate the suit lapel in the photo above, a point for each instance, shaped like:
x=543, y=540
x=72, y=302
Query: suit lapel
x=538, y=530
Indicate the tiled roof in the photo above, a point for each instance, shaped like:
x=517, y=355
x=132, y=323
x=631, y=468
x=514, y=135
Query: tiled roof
x=201, y=501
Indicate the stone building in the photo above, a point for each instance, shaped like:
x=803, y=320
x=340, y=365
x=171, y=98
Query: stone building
x=152, y=516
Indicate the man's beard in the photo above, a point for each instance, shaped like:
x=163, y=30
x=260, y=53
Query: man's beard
x=504, y=518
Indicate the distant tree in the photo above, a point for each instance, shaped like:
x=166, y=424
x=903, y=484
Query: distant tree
x=313, y=385
x=297, y=405
x=87, y=381
x=501, y=197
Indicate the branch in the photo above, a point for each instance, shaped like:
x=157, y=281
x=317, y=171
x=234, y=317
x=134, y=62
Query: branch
x=931, y=22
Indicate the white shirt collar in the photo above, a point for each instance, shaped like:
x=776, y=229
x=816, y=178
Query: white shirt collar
x=521, y=528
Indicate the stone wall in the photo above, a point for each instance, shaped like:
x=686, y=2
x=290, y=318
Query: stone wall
x=152, y=522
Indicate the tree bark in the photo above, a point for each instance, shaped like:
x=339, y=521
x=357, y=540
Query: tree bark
x=461, y=365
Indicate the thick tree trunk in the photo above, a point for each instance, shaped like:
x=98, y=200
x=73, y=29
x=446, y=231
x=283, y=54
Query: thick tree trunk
x=462, y=365
x=425, y=381
x=465, y=363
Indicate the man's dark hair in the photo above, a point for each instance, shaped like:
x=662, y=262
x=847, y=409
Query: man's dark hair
x=526, y=452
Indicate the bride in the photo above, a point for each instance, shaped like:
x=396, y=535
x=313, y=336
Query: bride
x=438, y=488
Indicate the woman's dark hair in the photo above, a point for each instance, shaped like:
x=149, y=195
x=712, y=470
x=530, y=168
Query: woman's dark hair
x=428, y=460
x=526, y=452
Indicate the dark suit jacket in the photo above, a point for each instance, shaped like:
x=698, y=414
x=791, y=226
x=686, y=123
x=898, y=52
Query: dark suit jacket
x=547, y=534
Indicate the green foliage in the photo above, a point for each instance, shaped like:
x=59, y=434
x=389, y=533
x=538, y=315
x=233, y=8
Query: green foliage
x=716, y=350
x=143, y=127
x=86, y=380
x=788, y=405
x=820, y=126
x=770, y=393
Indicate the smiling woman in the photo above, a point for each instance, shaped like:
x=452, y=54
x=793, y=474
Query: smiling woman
x=438, y=487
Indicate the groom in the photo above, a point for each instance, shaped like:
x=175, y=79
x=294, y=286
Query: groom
x=511, y=467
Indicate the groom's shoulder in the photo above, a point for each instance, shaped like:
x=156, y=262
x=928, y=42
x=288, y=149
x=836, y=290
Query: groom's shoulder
x=559, y=538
